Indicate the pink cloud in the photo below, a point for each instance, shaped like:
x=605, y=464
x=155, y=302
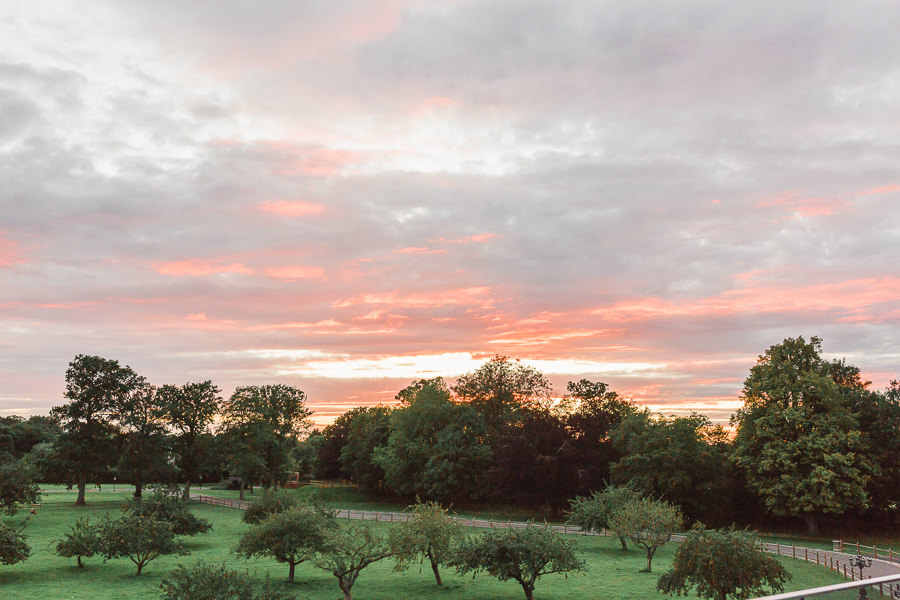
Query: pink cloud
x=9, y=252
x=461, y=296
x=287, y=158
x=294, y=272
x=478, y=238
x=419, y=250
x=291, y=208
x=855, y=297
x=794, y=202
x=887, y=189
x=199, y=268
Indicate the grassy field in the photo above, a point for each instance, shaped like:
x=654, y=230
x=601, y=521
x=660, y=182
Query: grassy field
x=45, y=576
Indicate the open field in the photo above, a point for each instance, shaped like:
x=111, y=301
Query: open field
x=611, y=574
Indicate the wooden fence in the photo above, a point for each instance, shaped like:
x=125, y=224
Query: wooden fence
x=872, y=551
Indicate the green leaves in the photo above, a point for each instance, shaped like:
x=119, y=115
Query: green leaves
x=13, y=547
x=81, y=541
x=291, y=536
x=138, y=537
x=522, y=554
x=722, y=564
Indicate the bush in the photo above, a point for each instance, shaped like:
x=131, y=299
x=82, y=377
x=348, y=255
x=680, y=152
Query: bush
x=202, y=581
x=270, y=502
x=169, y=507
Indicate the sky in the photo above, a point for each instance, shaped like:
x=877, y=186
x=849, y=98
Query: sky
x=345, y=196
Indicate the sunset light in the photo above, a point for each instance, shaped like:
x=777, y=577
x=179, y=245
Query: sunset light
x=345, y=197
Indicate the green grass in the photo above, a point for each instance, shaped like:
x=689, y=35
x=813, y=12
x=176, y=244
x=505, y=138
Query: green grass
x=611, y=574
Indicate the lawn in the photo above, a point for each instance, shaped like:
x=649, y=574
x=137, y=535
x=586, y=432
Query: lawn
x=611, y=574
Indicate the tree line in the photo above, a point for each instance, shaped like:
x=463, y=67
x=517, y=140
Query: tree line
x=811, y=440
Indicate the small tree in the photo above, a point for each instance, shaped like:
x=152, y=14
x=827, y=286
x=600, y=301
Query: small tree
x=137, y=537
x=722, y=564
x=592, y=513
x=81, y=541
x=13, y=547
x=649, y=523
x=523, y=555
x=291, y=537
x=169, y=506
x=348, y=551
x=271, y=501
x=429, y=533
x=17, y=487
x=207, y=582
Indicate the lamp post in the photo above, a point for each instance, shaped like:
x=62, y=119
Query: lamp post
x=863, y=562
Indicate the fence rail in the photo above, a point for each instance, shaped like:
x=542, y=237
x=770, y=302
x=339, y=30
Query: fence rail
x=872, y=551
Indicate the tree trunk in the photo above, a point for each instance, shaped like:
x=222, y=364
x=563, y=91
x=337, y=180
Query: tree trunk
x=291, y=572
x=529, y=591
x=812, y=527
x=437, y=574
x=345, y=587
x=79, y=562
x=187, y=490
x=82, y=484
x=649, y=558
x=140, y=566
x=241, y=495
x=622, y=541
x=138, y=490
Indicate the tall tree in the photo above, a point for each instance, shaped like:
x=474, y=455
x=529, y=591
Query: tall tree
x=267, y=421
x=95, y=387
x=190, y=410
x=591, y=413
x=437, y=449
x=499, y=388
x=798, y=440
x=366, y=433
x=676, y=459
x=144, y=445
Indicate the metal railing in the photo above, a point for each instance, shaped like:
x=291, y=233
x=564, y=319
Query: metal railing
x=883, y=584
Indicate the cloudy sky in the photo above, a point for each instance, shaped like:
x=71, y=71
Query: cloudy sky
x=347, y=195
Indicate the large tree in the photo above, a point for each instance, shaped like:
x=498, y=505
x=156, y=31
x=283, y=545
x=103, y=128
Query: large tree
x=436, y=449
x=798, y=440
x=591, y=412
x=144, y=447
x=190, y=411
x=266, y=422
x=367, y=432
x=96, y=388
x=677, y=459
x=499, y=388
